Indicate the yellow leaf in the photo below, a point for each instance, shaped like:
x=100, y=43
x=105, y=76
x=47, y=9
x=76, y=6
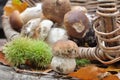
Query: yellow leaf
x=16, y=5
x=8, y=10
x=18, y=2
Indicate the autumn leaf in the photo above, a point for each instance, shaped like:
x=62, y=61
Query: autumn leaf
x=111, y=77
x=18, y=2
x=15, y=5
x=2, y=59
x=112, y=68
x=89, y=73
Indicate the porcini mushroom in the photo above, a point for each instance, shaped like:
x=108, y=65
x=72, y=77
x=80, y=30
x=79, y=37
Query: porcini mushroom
x=29, y=28
x=80, y=8
x=44, y=28
x=17, y=20
x=65, y=48
x=56, y=9
x=76, y=23
x=64, y=53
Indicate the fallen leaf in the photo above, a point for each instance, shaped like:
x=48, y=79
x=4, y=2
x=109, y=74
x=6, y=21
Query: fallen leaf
x=89, y=73
x=15, y=5
x=111, y=77
x=2, y=59
x=113, y=68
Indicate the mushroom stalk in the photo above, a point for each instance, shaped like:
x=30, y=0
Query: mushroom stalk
x=17, y=19
x=31, y=13
x=9, y=32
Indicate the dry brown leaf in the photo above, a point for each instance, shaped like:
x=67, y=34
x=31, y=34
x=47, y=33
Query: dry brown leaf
x=111, y=77
x=2, y=59
x=88, y=73
x=113, y=68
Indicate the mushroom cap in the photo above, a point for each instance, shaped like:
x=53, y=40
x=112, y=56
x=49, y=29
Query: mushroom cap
x=56, y=9
x=76, y=23
x=15, y=20
x=65, y=49
x=80, y=8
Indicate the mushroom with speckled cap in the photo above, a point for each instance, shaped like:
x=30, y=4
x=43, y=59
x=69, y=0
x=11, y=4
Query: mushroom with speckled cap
x=64, y=54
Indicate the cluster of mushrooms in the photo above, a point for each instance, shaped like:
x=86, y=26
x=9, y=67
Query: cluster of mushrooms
x=54, y=21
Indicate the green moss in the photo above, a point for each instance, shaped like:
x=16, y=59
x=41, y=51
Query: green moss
x=82, y=62
x=22, y=49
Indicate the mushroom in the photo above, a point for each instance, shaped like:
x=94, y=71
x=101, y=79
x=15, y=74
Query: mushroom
x=56, y=34
x=43, y=30
x=29, y=28
x=63, y=65
x=17, y=20
x=64, y=54
x=76, y=23
x=37, y=29
x=80, y=8
x=56, y=9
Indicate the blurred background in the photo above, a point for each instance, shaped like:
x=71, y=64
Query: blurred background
x=2, y=3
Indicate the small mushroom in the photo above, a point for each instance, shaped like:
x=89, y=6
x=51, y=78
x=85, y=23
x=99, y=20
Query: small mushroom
x=17, y=20
x=65, y=48
x=56, y=9
x=64, y=53
x=76, y=23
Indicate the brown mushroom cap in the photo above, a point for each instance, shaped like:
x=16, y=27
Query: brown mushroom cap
x=76, y=23
x=56, y=9
x=15, y=20
x=80, y=8
x=65, y=48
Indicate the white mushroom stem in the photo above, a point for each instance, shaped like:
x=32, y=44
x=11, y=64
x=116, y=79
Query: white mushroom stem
x=63, y=65
x=30, y=27
x=9, y=32
x=43, y=29
x=31, y=13
x=56, y=34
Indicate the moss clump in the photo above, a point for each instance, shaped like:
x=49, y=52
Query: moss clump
x=20, y=50
x=82, y=62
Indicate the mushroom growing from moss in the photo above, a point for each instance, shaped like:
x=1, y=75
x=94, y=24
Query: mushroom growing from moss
x=56, y=9
x=76, y=23
x=64, y=53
